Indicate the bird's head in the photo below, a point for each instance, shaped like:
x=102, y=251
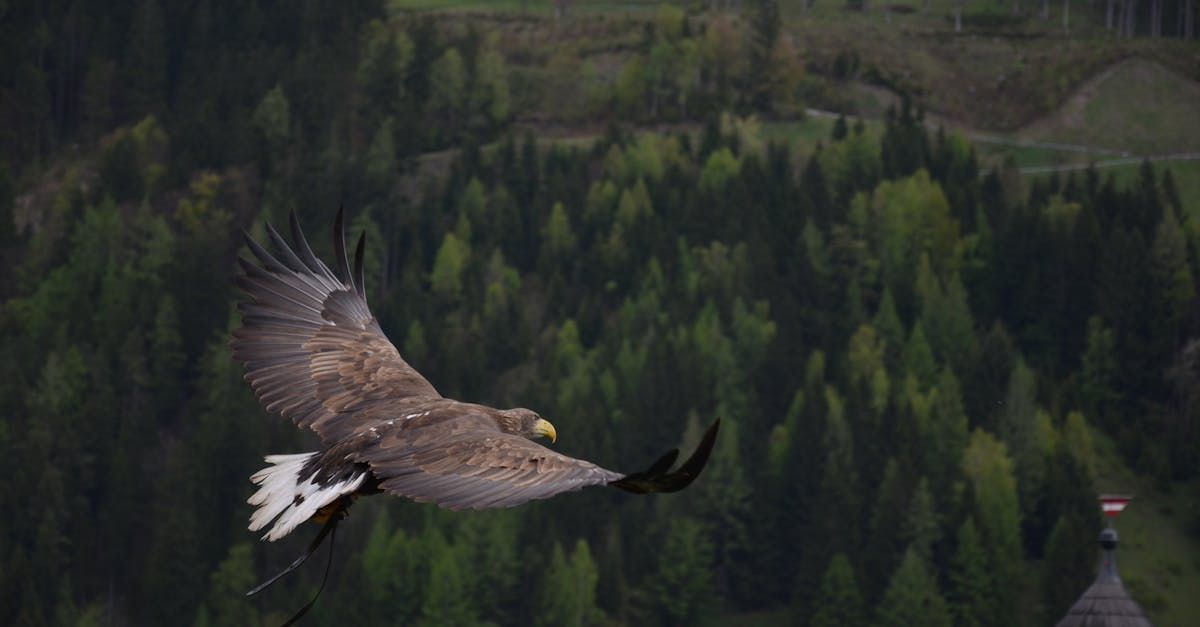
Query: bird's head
x=527, y=423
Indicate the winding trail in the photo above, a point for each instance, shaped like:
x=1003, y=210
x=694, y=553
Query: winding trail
x=1110, y=163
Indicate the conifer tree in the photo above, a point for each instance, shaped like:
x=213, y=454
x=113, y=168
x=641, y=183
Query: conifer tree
x=446, y=600
x=1098, y=372
x=989, y=471
x=839, y=603
x=681, y=589
x=1069, y=563
x=912, y=597
x=569, y=591
x=918, y=358
x=970, y=584
x=886, y=542
x=227, y=606
x=921, y=528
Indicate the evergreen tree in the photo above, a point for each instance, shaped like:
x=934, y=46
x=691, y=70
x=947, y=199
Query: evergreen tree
x=918, y=358
x=921, y=528
x=912, y=597
x=569, y=592
x=891, y=331
x=1098, y=373
x=681, y=588
x=839, y=128
x=989, y=471
x=886, y=543
x=839, y=603
x=446, y=278
x=227, y=606
x=1174, y=285
x=946, y=436
x=446, y=600
x=970, y=584
x=765, y=22
x=1018, y=429
x=448, y=92
x=1069, y=563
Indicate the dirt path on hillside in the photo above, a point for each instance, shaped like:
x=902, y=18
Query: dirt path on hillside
x=1110, y=163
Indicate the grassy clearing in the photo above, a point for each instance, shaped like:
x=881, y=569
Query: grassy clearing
x=1136, y=105
x=802, y=135
x=1158, y=560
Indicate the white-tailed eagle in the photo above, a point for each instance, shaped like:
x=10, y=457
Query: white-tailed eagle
x=314, y=353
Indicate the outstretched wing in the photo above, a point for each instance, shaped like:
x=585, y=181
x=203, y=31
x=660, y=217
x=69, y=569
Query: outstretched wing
x=485, y=469
x=312, y=350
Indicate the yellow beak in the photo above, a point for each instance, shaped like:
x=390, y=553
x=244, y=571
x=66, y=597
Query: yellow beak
x=543, y=427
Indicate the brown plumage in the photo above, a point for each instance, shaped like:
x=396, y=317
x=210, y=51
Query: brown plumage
x=314, y=353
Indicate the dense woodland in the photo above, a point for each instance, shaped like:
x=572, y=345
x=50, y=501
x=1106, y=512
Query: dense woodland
x=910, y=355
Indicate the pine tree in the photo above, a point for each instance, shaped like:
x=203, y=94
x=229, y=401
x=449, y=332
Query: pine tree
x=447, y=601
x=946, y=436
x=989, y=471
x=1069, y=563
x=681, y=590
x=918, y=358
x=558, y=240
x=886, y=542
x=912, y=597
x=765, y=22
x=1098, y=372
x=448, y=93
x=891, y=331
x=492, y=538
x=970, y=584
x=1174, y=285
x=921, y=528
x=726, y=503
x=1018, y=429
x=449, y=266
x=227, y=606
x=839, y=128
x=569, y=592
x=839, y=603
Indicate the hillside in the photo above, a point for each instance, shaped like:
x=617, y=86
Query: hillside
x=634, y=218
x=1135, y=106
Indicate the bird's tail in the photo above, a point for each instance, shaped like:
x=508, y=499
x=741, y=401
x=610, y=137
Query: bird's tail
x=290, y=493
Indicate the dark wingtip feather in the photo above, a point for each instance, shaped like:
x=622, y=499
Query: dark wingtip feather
x=359, y=279
x=696, y=462
x=289, y=256
x=339, y=244
x=304, y=250
x=657, y=479
x=267, y=259
x=664, y=463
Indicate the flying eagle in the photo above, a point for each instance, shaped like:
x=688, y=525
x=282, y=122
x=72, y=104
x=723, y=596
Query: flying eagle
x=314, y=353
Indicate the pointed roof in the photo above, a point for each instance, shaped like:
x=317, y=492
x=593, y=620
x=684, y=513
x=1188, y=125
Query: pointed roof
x=1106, y=603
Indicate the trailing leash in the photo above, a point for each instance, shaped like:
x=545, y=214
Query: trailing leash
x=330, y=529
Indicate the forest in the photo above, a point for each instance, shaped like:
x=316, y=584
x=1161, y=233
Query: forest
x=913, y=352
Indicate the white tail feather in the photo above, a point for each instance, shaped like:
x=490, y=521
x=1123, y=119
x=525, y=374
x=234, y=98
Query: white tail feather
x=281, y=488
